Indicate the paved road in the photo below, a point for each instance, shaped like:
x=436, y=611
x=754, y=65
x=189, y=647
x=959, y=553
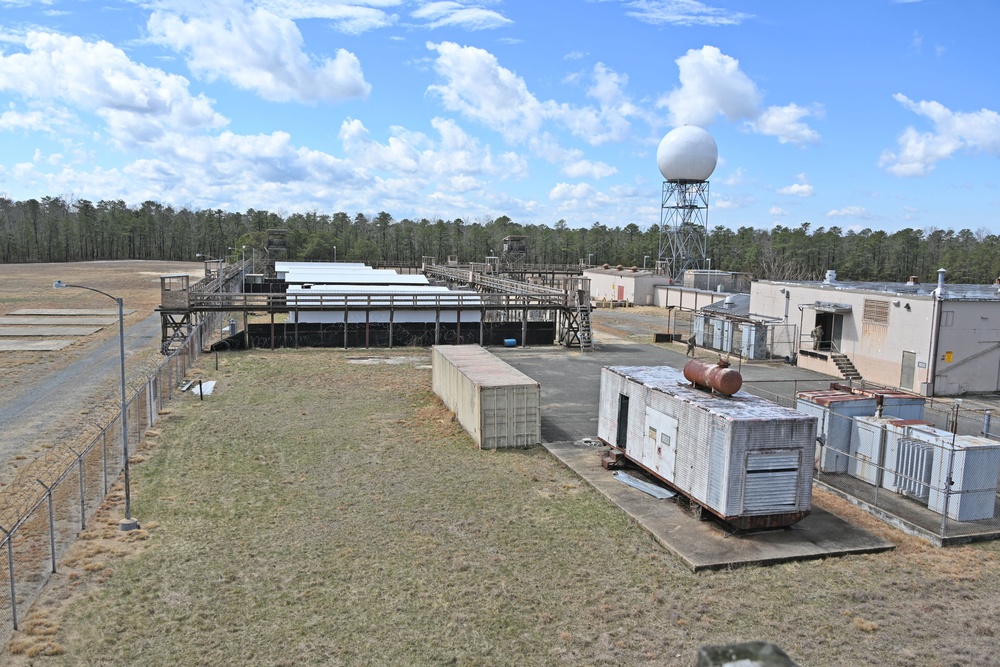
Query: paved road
x=49, y=408
x=570, y=380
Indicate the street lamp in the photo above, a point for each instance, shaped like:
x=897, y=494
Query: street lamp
x=589, y=255
x=644, y=258
x=128, y=523
x=334, y=253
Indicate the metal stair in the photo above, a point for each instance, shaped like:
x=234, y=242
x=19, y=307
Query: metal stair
x=846, y=367
x=583, y=319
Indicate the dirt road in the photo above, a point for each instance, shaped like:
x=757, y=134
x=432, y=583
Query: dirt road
x=54, y=399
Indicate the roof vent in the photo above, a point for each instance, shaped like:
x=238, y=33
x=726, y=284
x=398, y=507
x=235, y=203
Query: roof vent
x=635, y=269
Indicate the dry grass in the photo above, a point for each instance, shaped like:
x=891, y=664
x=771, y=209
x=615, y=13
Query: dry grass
x=344, y=518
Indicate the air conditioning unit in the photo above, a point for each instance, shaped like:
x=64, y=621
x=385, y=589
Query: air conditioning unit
x=912, y=470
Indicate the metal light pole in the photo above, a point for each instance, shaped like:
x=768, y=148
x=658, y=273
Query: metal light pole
x=334, y=253
x=589, y=255
x=128, y=523
x=644, y=258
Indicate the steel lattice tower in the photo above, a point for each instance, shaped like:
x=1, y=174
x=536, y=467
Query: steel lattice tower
x=683, y=226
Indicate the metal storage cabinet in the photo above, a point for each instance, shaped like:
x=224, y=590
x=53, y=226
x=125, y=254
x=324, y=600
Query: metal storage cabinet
x=974, y=471
x=742, y=458
x=834, y=409
x=498, y=405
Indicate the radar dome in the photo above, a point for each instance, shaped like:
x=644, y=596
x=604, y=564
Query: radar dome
x=687, y=153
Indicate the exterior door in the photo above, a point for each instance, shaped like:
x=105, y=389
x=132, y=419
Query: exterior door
x=908, y=370
x=621, y=439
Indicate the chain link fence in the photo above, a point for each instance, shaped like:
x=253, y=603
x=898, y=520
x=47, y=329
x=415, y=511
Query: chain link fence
x=42, y=526
x=936, y=477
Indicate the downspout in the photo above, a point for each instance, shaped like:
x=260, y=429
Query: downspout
x=935, y=334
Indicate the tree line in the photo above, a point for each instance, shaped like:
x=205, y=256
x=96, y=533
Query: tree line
x=55, y=229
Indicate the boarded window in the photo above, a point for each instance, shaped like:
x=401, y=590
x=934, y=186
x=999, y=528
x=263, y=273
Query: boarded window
x=876, y=312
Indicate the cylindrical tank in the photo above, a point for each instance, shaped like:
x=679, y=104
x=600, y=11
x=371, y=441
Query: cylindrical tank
x=718, y=377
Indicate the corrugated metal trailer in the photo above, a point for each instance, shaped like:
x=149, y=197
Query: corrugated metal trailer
x=742, y=458
x=497, y=404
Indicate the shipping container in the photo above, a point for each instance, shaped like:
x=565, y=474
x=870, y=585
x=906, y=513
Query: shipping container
x=740, y=457
x=498, y=405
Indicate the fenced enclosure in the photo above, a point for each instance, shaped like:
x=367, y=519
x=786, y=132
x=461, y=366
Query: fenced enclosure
x=936, y=477
x=42, y=526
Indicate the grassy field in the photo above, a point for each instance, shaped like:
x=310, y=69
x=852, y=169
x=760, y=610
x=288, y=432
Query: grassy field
x=322, y=508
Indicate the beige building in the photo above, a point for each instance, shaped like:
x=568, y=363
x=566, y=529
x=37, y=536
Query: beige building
x=932, y=339
x=634, y=286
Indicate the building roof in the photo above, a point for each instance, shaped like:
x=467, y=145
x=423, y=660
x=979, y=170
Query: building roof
x=734, y=305
x=626, y=272
x=952, y=292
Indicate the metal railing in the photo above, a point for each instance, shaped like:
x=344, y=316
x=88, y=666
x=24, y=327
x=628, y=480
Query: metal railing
x=42, y=526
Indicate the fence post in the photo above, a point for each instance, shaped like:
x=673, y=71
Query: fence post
x=104, y=457
x=83, y=497
x=947, y=489
x=10, y=573
x=52, y=525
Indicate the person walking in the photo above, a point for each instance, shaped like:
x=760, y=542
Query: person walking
x=690, y=345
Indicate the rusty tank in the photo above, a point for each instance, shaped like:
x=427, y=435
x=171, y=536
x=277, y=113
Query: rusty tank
x=717, y=377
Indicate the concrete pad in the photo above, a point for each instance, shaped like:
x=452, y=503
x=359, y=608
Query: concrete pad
x=59, y=321
x=48, y=331
x=73, y=311
x=704, y=545
x=48, y=345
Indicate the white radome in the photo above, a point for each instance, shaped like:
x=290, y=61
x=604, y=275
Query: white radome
x=687, y=153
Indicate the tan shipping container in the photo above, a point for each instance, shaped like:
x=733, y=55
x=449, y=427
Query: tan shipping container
x=498, y=405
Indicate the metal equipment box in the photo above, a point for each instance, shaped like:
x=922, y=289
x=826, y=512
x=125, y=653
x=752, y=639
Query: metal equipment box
x=740, y=457
x=834, y=410
x=498, y=405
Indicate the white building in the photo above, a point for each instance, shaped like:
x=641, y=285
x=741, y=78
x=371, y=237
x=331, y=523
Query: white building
x=624, y=284
x=933, y=339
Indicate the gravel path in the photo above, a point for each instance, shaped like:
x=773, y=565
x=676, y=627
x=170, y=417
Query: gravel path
x=54, y=406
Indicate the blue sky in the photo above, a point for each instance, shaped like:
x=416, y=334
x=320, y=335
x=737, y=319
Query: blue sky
x=855, y=113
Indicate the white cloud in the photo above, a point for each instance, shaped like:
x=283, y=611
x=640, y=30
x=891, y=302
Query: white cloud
x=138, y=103
x=711, y=84
x=682, y=12
x=477, y=86
x=568, y=191
x=353, y=18
x=735, y=178
x=797, y=190
x=588, y=169
x=455, y=155
x=786, y=124
x=849, y=212
x=919, y=152
x=462, y=15
x=777, y=212
x=259, y=51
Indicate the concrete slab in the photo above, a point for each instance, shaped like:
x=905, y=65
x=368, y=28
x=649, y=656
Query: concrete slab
x=48, y=331
x=47, y=345
x=704, y=545
x=58, y=320
x=72, y=311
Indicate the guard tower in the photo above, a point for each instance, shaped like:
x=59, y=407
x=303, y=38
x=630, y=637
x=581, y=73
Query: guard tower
x=514, y=256
x=277, y=250
x=686, y=156
x=175, y=313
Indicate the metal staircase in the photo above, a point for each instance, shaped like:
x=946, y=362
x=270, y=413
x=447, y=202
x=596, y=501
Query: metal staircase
x=583, y=318
x=846, y=367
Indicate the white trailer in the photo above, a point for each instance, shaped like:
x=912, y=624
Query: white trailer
x=740, y=457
